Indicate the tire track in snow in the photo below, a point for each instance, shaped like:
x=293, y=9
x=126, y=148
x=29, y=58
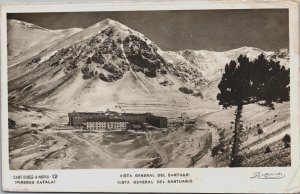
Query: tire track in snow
x=90, y=143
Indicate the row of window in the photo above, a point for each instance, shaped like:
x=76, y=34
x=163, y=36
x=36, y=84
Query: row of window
x=104, y=123
x=99, y=124
x=92, y=128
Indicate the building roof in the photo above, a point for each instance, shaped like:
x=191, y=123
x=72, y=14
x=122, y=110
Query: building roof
x=86, y=113
x=157, y=117
x=136, y=114
x=105, y=120
x=109, y=112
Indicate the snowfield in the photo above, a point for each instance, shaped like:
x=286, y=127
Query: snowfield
x=26, y=40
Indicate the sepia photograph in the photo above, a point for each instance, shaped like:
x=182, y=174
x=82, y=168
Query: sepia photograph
x=161, y=97
x=149, y=89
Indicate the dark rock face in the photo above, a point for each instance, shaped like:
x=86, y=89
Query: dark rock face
x=110, y=52
x=142, y=56
x=186, y=90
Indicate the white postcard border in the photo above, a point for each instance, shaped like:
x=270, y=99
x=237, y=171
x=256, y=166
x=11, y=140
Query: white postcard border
x=204, y=179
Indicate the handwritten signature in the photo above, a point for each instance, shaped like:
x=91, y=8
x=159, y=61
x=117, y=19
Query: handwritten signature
x=267, y=175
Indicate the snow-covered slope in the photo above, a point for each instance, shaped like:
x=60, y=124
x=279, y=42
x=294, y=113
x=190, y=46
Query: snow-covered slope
x=26, y=40
x=281, y=55
x=101, y=65
x=108, y=63
x=211, y=64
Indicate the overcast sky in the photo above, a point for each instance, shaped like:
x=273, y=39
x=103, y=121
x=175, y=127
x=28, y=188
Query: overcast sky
x=217, y=30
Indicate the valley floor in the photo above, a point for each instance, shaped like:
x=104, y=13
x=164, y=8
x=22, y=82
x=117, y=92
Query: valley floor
x=77, y=149
x=53, y=145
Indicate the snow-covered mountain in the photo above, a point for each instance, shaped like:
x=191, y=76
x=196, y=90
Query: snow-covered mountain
x=108, y=64
x=26, y=40
x=100, y=65
x=211, y=63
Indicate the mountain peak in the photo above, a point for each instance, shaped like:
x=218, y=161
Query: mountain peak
x=23, y=24
x=109, y=22
x=116, y=28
